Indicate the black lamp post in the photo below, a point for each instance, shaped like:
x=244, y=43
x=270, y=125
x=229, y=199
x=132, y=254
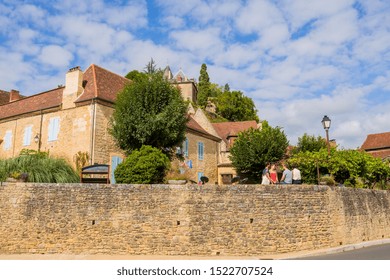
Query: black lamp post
x=326, y=124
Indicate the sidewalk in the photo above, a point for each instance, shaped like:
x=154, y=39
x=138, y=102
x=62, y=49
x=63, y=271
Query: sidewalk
x=286, y=256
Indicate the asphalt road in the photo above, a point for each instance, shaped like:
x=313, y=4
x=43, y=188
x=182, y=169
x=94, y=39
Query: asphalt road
x=378, y=252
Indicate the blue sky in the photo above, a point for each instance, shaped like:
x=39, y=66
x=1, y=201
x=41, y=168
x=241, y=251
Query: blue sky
x=297, y=59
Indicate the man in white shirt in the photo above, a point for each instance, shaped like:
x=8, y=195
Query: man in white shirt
x=296, y=176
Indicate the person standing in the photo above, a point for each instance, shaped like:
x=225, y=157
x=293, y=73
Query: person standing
x=287, y=175
x=296, y=176
x=273, y=174
x=265, y=179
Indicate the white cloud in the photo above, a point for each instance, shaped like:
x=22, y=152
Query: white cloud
x=55, y=56
x=337, y=63
x=204, y=42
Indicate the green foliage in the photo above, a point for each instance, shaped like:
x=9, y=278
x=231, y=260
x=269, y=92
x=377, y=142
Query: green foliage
x=149, y=112
x=328, y=180
x=204, y=90
x=348, y=167
x=235, y=106
x=151, y=67
x=254, y=148
x=135, y=75
x=310, y=143
x=39, y=168
x=81, y=159
x=145, y=166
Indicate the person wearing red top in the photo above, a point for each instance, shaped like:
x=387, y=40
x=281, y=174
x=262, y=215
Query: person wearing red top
x=273, y=174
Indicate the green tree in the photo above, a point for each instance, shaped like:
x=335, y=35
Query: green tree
x=349, y=167
x=235, y=106
x=253, y=148
x=309, y=143
x=204, y=90
x=149, y=112
x=145, y=166
x=151, y=67
x=135, y=75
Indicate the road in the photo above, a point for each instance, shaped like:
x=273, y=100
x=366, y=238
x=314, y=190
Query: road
x=378, y=252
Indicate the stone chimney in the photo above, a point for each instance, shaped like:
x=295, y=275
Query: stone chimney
x=73, y=87
x=14, y=95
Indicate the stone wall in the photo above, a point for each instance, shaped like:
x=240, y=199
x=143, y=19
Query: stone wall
x=187, y=220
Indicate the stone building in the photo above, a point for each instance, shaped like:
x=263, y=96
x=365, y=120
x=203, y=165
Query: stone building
x=74, y=119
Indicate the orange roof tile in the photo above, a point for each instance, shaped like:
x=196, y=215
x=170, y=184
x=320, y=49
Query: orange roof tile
x=45, y=100
x=226, y=129
x=376, y=141
x=193, y=125
x=102, y=84
x=99, y=83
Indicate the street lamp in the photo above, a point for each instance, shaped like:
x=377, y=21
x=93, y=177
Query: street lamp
x=37, y=140
x=326, y=124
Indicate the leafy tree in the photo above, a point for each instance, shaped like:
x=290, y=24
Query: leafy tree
x=348, y=167
x=145, y=166
x=310, y=143
x=135, y=75
x=253, y=148
x=234, y=106
x=204, y=91
x=149, y=112
x=151, y=67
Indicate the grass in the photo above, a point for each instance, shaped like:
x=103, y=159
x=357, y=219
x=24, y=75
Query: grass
x=39, y=168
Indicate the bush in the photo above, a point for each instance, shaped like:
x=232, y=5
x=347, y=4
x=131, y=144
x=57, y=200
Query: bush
x=38, y=168
x=145, y=166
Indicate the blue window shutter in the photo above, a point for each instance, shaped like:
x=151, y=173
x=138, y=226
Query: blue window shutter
x=7, y=140
x=115, y=161
x=200, y=150
x=27, y=136
x=186, y=147
x=200, y=174
x=54, y=128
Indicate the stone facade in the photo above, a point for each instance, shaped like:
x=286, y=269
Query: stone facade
x=83, y=108
x=210, y=220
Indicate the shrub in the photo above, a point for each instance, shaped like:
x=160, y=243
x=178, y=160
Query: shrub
x=145, y=166
x=38, y=168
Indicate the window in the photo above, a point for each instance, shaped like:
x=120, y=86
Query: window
x=54, y=128
x=200, y=150
x=7, y=140
x=185, y=148
x=27, y=135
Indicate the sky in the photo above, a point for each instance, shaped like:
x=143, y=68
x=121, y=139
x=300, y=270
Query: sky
x=297, y=59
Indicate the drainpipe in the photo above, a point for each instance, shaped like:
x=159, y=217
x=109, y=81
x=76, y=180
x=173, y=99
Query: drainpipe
x=14, y=135
x=40, y=133
x=93, y=131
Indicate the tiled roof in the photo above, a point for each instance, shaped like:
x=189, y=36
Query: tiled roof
x=102, y=84
x=45, y=100
x=226, y=129
x=380, y=154
x=377, y=141
x=4, y=97
x=99, y=83
x=193, y=125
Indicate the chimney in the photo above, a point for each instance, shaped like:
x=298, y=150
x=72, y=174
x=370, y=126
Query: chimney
x=14, y=95
x=73, y=87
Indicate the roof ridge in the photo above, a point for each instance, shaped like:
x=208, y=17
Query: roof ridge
x=102, y=68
